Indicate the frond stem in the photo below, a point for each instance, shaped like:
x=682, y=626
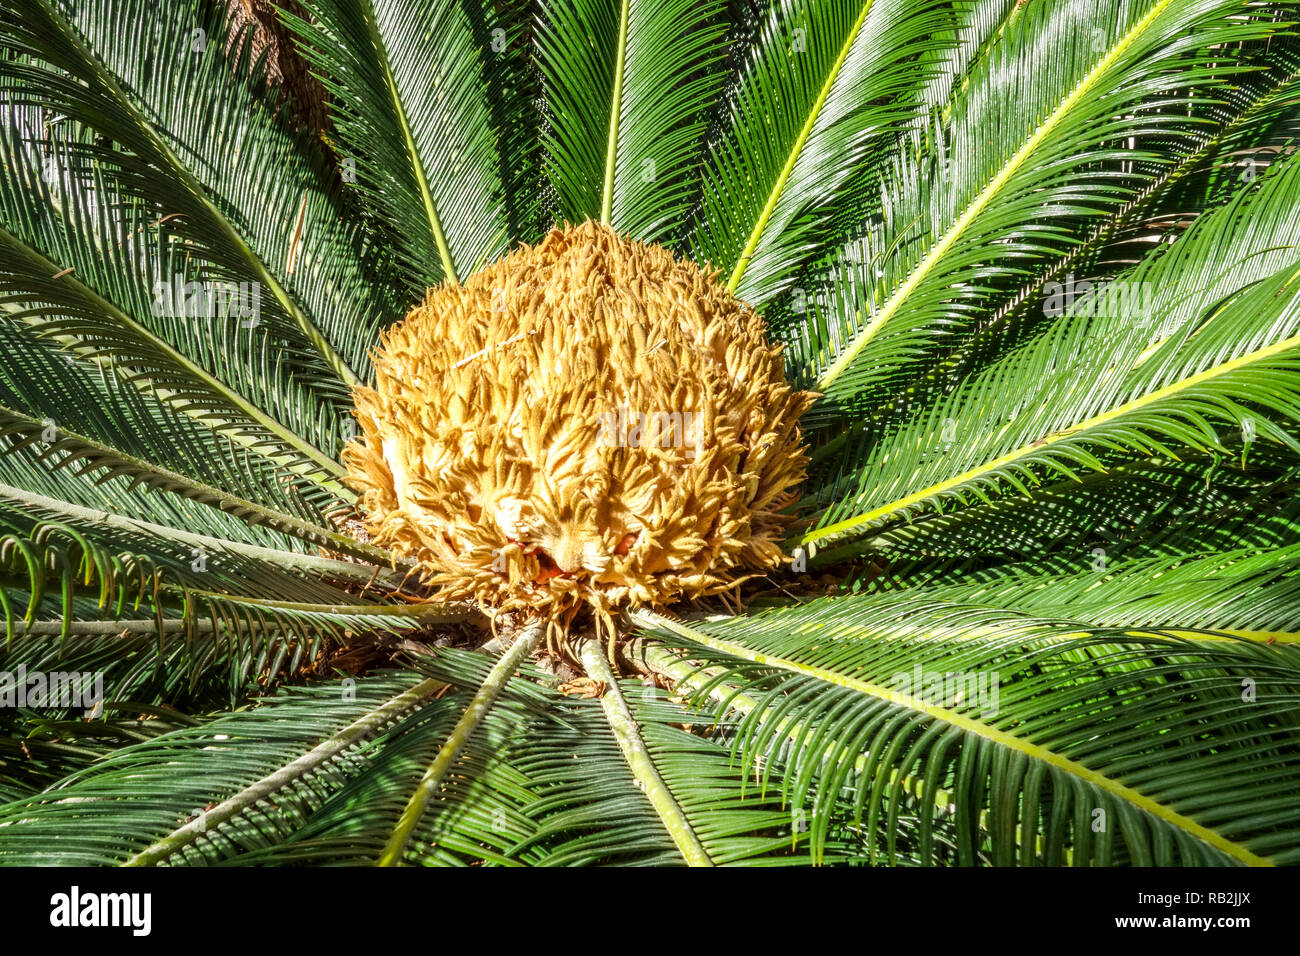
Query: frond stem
x=639, y=760
x=456, y=742
x=324, y=752
x=285, y=559
x=968, y=724
x=615, y=110
x=188, y=488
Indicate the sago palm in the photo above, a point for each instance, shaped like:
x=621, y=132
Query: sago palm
x=962, y=528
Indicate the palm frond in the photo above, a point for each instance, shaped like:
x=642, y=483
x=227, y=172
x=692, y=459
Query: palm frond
x=271, y=218
x=115, y=310
x=1130, y=376
x=822, y=87
x=1026, y=733
x=420, y=143
x=311, y=774
x=1019, y=170
x=627, y=85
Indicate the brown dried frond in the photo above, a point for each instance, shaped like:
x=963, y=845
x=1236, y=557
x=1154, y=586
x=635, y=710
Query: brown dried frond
x=589, y=423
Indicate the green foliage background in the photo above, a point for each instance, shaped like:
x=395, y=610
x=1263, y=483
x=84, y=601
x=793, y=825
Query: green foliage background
x=1094, y=507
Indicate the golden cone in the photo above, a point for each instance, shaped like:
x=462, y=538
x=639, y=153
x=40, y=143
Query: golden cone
x=588, y=423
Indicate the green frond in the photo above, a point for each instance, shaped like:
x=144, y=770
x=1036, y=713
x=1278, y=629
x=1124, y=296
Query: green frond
x=1130, y=373
x=278, y=754
x=405, y=79
x=131, y=611
x=1235, y=148
x=1024, y=732
x=41, y=382
x=61, y=448
x=1246, y=593
x=114, y=311
x=821, y=90
x=271, y=218
x=314, y=774
x=976, y=204
x=1137, y=508
x=627, y=85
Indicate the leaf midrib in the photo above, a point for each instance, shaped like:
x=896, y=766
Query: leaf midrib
x=408, y=140
x=615, y=115
x=970, y=725
x=796, y=150
x=639, y=760
x=1073, y=432
x=981, y=202
x=311, y=563
x=479, y=706
x=318, y=340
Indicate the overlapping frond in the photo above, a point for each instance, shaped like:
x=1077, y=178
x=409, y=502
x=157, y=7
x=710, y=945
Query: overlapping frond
x=202, y=146
x=118, y=306
x=627, y=86
x=415, y=132
x=1037, y=739
x=322, y=776
x=155, y=612
x=821, y=88
x=1175, y=344
x=1066, y=118
x=1041, y=259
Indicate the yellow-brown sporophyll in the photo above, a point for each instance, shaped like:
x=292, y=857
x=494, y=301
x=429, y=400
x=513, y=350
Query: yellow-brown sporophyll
x=589, y=423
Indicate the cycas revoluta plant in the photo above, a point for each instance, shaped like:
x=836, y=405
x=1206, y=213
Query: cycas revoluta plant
x=1020, y=584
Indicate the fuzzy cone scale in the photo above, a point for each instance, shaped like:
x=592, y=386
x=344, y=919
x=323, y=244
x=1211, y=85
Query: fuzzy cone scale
x=587, y=423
